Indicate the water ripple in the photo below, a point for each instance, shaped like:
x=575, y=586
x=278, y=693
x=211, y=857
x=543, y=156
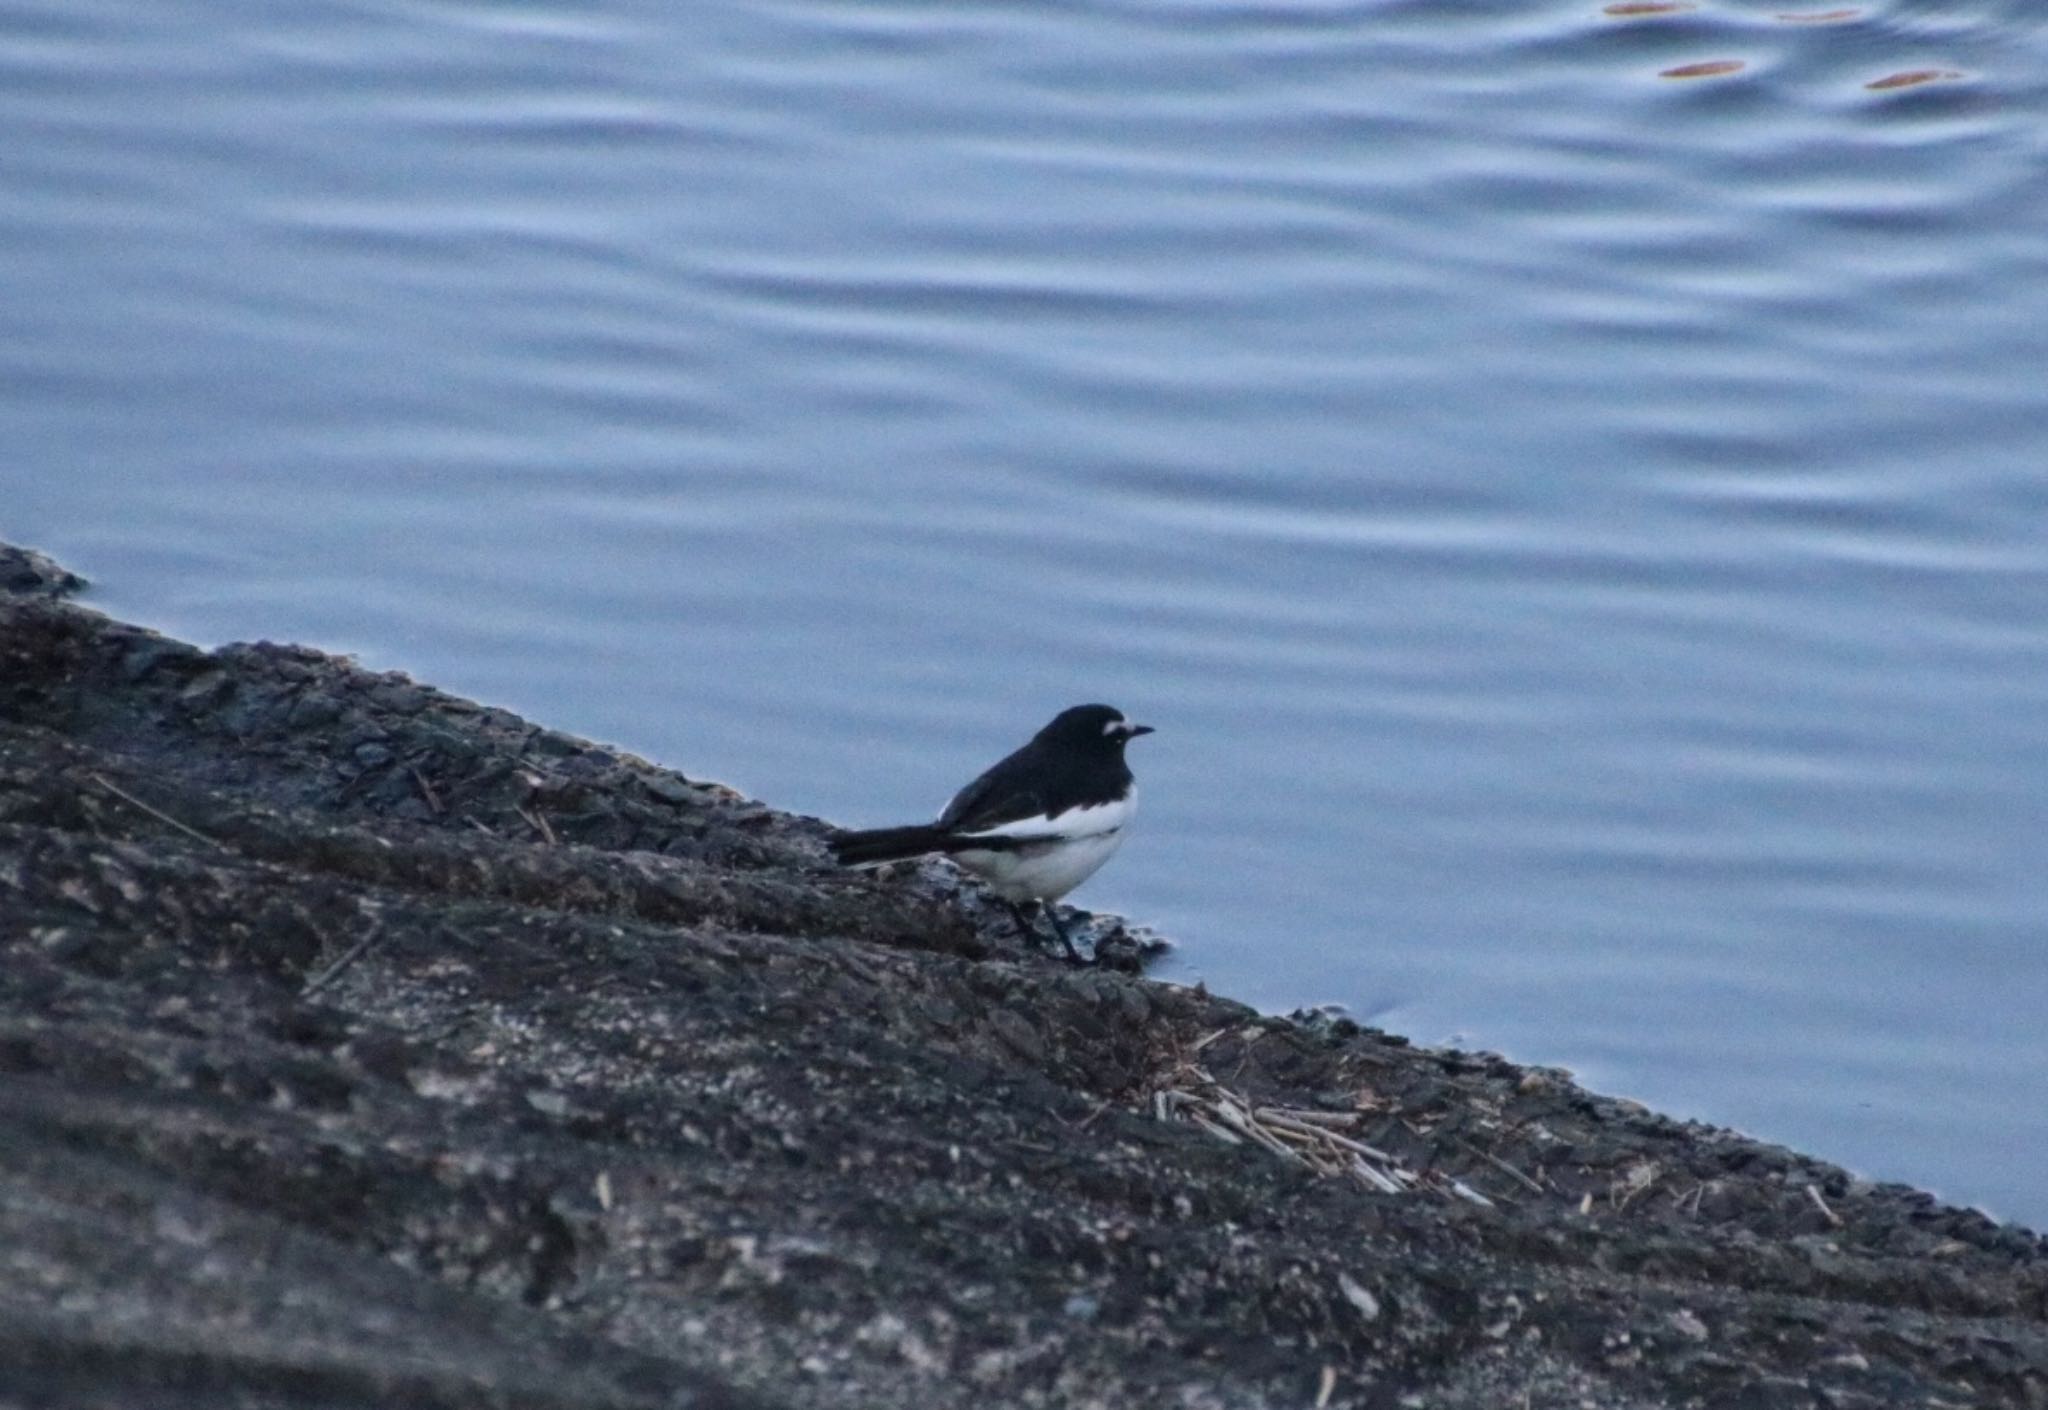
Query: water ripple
x=1590, y=519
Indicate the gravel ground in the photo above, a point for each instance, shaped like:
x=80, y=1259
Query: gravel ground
x=364, y=1046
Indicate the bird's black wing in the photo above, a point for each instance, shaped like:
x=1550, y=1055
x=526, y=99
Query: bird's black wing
x=1004, y=794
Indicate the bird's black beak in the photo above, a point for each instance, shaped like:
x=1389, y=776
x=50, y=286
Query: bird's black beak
x=1137, y=730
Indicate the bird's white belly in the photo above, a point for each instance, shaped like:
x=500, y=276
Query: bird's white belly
x=1043, y=871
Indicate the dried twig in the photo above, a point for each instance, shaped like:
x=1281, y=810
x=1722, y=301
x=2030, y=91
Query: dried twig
x=426, y=791
x=1813, y=1193
x=1465, y=1192
x=1638, y=1179
x=159, y=814
x=1241, y=1121
x=349, y=956
x=1497, y=1163
x=1305, y=1137
x=538, y=822
x=1293, y=1120
x=1378, y=1179
x=1285, y=1115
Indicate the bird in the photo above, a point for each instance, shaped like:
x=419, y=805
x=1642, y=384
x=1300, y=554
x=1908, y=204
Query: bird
x=1033, y=826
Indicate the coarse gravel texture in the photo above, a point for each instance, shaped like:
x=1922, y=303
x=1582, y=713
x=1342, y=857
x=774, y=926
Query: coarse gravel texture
x=361, y=1045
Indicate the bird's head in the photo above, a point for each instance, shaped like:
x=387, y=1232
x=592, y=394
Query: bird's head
x=1092, y=727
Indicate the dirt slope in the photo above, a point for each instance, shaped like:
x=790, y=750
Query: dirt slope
x=361, y=1046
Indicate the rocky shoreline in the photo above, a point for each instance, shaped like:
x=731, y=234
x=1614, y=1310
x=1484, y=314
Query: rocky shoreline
x=360, y=1045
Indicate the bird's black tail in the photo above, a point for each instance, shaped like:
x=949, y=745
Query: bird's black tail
x=888, y=844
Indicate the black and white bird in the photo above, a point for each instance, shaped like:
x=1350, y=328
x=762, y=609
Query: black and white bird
x=1034, y=826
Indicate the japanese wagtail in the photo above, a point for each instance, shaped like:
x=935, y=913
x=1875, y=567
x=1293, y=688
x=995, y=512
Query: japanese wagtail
x=1034, y=826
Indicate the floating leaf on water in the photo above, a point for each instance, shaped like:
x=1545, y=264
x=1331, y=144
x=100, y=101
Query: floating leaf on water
x=1821, y=16
x=1911, y=78
x=1633, y=9
x=1712, y=68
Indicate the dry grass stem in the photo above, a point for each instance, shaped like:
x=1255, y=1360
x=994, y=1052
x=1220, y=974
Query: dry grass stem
x=1293, y=1121
x=538, y=823
x=1316, y=1140
x=354, y=952
x=1284, y=1114
x=1834, y=1219
x=1378, y=1179
x=1501, y=1165
x=1471, y=1196
x=159, y=814
x=427, y=791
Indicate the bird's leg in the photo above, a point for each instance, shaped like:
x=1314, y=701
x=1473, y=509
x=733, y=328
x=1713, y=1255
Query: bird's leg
x=1053, y=916
x=1022, y=910
x=1051, y=919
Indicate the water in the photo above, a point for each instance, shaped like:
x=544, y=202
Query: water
x=1579, y=533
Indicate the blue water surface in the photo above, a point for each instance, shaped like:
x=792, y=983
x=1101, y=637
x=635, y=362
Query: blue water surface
x=1579, y=532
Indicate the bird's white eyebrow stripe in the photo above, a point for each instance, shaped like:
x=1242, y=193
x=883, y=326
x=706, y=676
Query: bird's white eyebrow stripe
x=1119, y=723
x=1091, y=821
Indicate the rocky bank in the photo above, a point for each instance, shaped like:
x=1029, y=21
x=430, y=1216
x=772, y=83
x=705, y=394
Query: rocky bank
x=363, y=1046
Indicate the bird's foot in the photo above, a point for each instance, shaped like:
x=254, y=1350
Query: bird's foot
x=1031, y=934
